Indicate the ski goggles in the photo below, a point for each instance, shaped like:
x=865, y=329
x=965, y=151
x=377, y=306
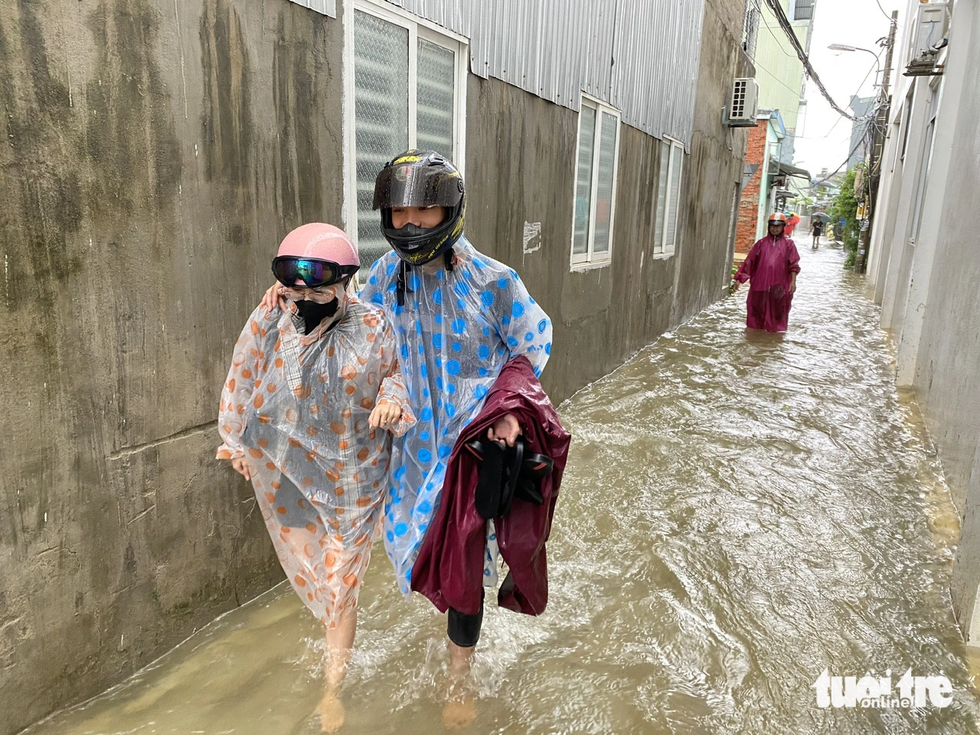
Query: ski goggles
x=313, y=273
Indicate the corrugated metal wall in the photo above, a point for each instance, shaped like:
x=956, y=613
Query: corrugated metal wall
x=640, y=56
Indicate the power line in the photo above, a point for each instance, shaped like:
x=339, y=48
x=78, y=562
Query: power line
x=774, y=36
x=883, y=10
x=775, y=78
x=867, y=115
x=801, y=53
x=856, y=146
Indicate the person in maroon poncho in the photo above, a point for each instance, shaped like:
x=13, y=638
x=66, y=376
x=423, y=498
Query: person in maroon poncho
x=771, y=265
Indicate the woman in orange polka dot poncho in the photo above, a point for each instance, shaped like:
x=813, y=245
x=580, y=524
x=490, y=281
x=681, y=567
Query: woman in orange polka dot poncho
x=312, y=398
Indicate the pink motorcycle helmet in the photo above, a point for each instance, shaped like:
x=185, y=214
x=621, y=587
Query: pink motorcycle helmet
x=321, y=242
x=317, y=254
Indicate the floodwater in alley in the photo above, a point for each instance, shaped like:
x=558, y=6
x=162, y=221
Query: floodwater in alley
x=740, y=512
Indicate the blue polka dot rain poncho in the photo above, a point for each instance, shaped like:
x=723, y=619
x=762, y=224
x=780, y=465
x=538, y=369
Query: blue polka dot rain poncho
x=455, y=332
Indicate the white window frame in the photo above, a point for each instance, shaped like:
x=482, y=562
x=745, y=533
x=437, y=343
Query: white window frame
x=906, y=117
x=587, y=260
x=661, y=250
x=324, y=7
x=417, y=27
x=925, y=161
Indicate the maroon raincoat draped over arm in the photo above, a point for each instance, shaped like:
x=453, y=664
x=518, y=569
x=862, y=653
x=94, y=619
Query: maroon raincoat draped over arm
x=449, y=567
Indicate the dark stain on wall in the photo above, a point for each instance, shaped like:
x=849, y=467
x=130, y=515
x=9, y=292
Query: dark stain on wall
x=130, y=136
x=285, y=175
x=52, y=96
x=295, y=74
x=227, y=129
x=42, y=203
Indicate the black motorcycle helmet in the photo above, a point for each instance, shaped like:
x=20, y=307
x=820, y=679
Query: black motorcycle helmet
x=421, y=179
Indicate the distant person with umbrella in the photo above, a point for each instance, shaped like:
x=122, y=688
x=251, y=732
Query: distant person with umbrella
x=816, y=229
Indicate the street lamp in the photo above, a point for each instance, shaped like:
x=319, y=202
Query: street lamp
x=877, y=140
x=845, y=47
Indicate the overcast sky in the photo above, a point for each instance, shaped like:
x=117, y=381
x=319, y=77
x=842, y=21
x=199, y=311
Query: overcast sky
x=823, y=140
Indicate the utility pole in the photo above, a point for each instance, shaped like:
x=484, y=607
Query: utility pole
x=875, y=153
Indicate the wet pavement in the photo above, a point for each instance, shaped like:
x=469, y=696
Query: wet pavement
x=741, y=511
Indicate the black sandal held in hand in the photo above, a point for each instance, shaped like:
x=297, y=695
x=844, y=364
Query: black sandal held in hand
x=507, y=473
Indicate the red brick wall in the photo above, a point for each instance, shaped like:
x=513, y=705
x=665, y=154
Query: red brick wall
x=748, y=203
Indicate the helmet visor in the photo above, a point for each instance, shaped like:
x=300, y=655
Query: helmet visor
x=407, y=185
x=288, y=270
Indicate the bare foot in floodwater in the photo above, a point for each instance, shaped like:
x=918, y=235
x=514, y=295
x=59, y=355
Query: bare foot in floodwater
x=459, y=712
x=460, y=708
x=331, y=711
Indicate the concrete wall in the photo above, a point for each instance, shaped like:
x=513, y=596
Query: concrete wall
x=897, y=271
x=887, y=207
x=153, y=155
x=928, y=288
x=714, y=170
x=521, y=168
x=946, y=376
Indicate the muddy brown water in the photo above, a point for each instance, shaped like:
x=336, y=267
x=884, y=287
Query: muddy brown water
x=740, y=512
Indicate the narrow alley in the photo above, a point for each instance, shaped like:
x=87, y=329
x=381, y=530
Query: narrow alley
x=740, y=513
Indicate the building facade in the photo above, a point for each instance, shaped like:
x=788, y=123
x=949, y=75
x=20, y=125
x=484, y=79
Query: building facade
x=155, y=154
x=779, y=70
x=760, y=172
x=859, y=130
x=924, y=266
x=780, y=76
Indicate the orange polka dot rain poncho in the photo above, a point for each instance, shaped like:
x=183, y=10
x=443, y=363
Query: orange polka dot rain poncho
x=297, y=406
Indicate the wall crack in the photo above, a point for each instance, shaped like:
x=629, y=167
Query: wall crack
x=183, y=434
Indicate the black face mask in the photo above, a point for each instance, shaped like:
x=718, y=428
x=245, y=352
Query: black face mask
x=411, y=230
x=314, y=313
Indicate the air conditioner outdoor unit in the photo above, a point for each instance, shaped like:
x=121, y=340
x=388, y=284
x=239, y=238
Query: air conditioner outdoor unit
x=744, y=103
x=929, y=38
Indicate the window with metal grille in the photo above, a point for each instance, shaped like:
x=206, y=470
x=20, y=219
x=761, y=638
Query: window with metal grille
x=750, y=27
x=668, y=197
x=325, y=7
x=595, y=183
x=803, y=10
x=407, y=91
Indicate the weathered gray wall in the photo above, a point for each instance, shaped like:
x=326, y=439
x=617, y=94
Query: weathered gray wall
x=715, y=164
x=153, y=154
x=521, y=168
x=947, y=379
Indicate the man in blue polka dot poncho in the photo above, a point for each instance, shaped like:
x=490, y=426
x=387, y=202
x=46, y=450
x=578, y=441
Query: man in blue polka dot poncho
x=459, y=317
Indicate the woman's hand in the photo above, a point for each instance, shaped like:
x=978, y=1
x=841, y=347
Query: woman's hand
x=792, y=285
x=506, y=429
x=384, y=415
x=241, y=467
x=273, y=298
